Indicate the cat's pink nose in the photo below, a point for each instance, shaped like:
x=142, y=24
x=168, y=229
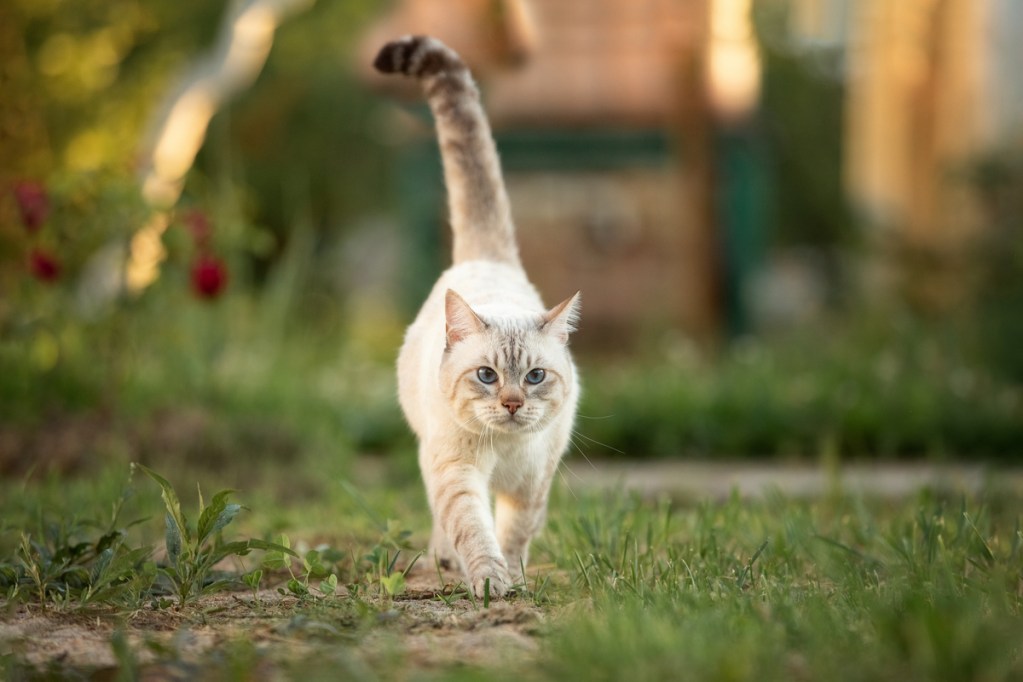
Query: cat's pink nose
x=512, y=404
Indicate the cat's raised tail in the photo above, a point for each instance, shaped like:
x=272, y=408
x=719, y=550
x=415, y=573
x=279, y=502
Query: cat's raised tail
x=477, y=201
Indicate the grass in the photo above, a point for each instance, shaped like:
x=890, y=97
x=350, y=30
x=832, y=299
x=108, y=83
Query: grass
x=840, y=587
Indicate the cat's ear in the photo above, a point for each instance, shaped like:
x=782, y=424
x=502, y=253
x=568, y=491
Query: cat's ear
x=561, y=320
x=461, y=319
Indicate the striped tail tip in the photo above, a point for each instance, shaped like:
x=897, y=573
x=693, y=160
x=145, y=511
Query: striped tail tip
x=417, y=56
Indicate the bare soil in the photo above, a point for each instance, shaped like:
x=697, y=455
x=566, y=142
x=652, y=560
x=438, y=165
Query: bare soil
x=426, y=631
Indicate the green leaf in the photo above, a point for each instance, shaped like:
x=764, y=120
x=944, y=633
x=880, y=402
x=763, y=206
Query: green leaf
x=170, y=501
x=297, y=588
x=118, y=574
x=216, y=516
x=218, y=586
x=102, y=561
x=221, y=552
x=253, y=578
x=328, y=586
x=173, y=539
x=313, y=565
x=394, y=584
x=109, y=540
x=279, y=555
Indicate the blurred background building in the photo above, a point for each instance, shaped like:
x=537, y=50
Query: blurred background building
x=714, y=167
x=649, y=165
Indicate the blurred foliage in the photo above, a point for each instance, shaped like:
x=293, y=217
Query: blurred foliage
x=999, y=178
x=872, y=387
x=272, y=368
x=287, y=168
x=802, y=113
x=90, y=75
x=306, y=136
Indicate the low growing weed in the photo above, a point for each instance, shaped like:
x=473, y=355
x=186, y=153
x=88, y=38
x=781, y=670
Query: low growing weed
x=69, y=562
x=194, y=551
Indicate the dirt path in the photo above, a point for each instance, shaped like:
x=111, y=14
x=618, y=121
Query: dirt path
x=428, y=631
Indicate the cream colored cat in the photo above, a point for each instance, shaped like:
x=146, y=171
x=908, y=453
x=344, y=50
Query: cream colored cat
x=484, y=377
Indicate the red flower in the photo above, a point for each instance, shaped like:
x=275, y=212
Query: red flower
x=43, y=265
x=33, y=204
x=199, y=225
x=209, y=277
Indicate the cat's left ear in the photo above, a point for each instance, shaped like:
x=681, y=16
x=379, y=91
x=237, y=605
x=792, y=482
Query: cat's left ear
x=561, y=320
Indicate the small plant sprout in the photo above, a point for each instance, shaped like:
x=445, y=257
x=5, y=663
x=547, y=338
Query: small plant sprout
x=317, y=564
x=253, y=579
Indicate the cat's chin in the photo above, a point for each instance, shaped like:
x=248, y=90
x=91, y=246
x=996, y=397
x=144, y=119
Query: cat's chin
x=512, y=424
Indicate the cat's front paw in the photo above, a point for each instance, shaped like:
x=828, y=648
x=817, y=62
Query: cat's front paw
x=498, y=577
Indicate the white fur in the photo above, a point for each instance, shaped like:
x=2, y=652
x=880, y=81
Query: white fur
x=467, y=441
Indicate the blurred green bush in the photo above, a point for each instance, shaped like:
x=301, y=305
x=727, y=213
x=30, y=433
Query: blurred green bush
x=861, y=388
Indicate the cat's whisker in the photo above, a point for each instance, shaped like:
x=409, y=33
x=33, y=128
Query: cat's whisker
x=597, y=442
x=564, y=479
x=579, y=449
x=585, y=416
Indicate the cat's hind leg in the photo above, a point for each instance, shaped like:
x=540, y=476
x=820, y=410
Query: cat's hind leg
x=441, y=552
x=518, y=519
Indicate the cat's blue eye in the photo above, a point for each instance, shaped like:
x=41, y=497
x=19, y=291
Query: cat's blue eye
x=535, y=376
x=486, y=375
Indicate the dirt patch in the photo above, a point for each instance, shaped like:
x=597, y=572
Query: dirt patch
x=421, y=628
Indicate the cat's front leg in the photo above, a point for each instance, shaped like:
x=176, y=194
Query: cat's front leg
x=460, y=504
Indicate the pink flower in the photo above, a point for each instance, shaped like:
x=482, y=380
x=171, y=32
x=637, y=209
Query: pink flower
x=33, y=204
x=209, y=276
x=198, y=223
x=43, y=265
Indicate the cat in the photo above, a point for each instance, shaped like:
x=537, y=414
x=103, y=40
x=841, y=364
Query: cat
x=485, y=377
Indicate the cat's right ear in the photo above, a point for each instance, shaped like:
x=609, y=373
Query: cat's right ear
x=461, y=319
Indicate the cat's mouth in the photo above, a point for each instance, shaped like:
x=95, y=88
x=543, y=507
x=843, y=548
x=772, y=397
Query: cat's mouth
x=511, y=423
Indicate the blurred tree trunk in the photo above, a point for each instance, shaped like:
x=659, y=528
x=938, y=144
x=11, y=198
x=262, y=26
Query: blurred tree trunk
x=179, y=127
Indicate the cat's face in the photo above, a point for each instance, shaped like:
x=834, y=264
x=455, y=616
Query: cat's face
x=510, y=375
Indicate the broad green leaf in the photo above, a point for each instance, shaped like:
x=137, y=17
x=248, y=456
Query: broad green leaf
x=214, y=517
x=173, y=539
x=102, y=561
x=221, y=552
x=285, y=549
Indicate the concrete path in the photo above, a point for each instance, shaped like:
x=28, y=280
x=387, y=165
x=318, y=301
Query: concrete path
x=719, y=479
